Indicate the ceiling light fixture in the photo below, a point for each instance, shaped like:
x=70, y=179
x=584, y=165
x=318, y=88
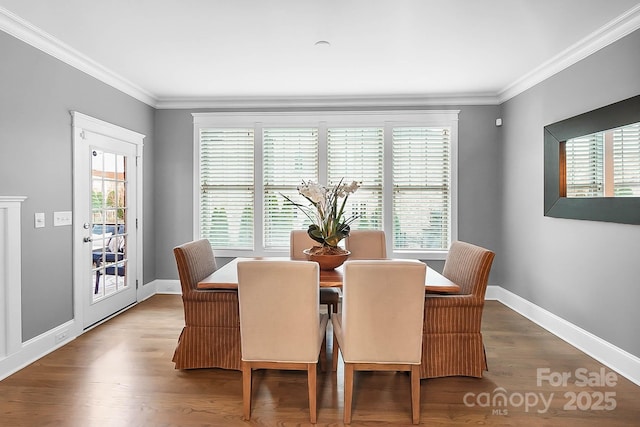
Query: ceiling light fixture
x=322, y=43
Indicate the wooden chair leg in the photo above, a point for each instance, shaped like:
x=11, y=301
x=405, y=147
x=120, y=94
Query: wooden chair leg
x=415, y=394
x=334, y=354
x=348, y=391
x=312, y=384
x=246, y=390
x=323, y=354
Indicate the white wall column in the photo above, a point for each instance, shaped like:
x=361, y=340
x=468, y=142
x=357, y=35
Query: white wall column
x=10, y=275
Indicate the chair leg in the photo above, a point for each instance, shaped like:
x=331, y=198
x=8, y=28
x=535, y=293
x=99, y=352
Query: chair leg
x=348, y=391
x=97, y=282
x=323, y=354
x=246, y=390
x=334, y=354
x=312, y=384
x=484, y=355
x=330, y=309
x=415, y=394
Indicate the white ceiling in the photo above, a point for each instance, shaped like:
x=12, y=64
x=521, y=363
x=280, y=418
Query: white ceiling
x=194, y=52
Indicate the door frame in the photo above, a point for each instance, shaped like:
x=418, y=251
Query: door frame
x=88, y=123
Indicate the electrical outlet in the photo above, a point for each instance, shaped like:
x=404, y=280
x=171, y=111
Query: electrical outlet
x=61, y=336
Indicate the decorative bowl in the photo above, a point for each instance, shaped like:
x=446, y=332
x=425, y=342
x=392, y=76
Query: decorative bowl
x=327, y=262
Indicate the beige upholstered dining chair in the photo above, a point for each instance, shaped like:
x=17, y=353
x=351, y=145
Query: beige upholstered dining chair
x=452, y=340
x=280, y=322
x=366, y=244
x=380, y=327
x=211, y=335
x=299, y=240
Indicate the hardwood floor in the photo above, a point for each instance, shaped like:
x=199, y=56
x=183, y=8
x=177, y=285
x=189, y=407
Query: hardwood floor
x=121, y=374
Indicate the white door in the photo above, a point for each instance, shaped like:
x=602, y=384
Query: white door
x=105, y=219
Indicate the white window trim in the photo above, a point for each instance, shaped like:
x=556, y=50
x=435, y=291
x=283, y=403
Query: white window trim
x=323, y=119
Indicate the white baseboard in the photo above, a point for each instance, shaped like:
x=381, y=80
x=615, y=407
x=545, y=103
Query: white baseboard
x=147, y=291
x=615, y=358
x=624, y=363
x=45, y=343
x=37, y=347
x=493, y=292
x=167, y=286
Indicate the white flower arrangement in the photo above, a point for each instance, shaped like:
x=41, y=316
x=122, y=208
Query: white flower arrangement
x=328, y=225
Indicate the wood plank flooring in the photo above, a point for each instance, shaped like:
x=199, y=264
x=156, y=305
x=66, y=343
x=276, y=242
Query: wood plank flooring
x=121, y=374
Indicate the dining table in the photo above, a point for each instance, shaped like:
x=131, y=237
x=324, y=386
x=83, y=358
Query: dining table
x=226, y=277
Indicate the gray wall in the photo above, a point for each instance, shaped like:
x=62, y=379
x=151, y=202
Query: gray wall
x=36, y=94
x=583, y=271
x=174, y=204
x=478, y=176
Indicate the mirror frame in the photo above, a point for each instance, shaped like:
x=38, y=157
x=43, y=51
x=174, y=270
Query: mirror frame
x=625, y=210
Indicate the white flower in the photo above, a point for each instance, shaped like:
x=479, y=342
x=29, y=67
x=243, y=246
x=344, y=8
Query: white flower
x=326, y=212
x=351, y=188
x=313, y=191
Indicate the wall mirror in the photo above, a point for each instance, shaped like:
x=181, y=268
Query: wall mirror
x=592, y=165
x=602, y=164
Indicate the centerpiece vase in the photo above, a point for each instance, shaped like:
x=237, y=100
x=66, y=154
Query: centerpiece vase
x=327, y=261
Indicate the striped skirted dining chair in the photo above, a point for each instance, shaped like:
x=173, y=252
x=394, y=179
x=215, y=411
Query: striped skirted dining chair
x=211, y=335
x=299, y=240
x=452, y=341
x=280, y=322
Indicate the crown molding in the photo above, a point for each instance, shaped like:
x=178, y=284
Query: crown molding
x=609, y=33
x=604, y=36
x=34, y=36
x=326, y=102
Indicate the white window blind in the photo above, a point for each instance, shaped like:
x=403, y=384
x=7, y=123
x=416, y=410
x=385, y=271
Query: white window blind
x=247, y=162
x=289, y=156
x=626, y=161
x=604, y=164
x=227, y=187
x=585, y=166
x=356, y=154
x=421, y=188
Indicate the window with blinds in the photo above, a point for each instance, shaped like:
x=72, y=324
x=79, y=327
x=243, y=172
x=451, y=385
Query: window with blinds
x=421, y=188
x=585, y=166
x=289, y=156
x=227, y=187
x=604, y=164
x=248, y=162
x=626, y=161
x=355, y=154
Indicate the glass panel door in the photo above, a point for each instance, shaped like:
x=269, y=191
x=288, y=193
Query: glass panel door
x=109, y=223
x=105, y=212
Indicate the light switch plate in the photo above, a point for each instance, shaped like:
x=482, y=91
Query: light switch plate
x=39, y=219
x=62, y=218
